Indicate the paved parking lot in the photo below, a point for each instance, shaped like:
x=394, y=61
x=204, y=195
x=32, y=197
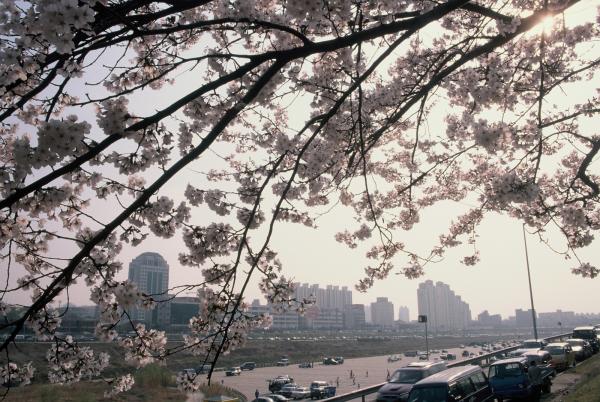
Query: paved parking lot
x=367, y=371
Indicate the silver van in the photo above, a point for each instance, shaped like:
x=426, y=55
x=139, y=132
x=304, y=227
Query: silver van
x=403, y=379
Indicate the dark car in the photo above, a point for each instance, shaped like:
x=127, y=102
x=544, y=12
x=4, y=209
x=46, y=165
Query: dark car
x=248, y=366
x=509, y=378
x=588, y=334
x=277, y=383
x=465, y=353
x=456, y=384
x=402, y=380
x=330, y=361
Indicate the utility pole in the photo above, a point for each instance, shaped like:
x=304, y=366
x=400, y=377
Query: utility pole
x=423, y=319
x=535, y=332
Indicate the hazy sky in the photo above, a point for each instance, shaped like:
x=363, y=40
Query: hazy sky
x=498, y=283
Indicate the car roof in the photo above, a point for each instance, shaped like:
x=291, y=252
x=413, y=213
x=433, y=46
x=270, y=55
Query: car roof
x=448, y=375
x=425, y=364
x=511, y=360
x=584, y=328
x=558, y=344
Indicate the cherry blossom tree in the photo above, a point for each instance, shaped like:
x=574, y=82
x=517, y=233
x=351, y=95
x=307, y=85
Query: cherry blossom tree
x=310, y=104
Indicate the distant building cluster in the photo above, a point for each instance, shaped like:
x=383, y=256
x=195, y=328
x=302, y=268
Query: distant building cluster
x=332, y=309
x=445, y=310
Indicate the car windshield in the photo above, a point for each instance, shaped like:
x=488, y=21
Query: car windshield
x=432, y=394
x=584, y=334
x=555, y=350
x=505, y=370
x=406, y=376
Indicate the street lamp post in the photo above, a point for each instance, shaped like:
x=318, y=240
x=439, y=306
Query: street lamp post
x=535, y=332
x=423, y=319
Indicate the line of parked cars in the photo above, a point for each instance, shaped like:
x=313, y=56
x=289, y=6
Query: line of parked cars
x=285, y=387
x=507, y=378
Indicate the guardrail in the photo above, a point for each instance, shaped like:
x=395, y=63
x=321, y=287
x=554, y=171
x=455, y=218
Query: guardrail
x=363, y=392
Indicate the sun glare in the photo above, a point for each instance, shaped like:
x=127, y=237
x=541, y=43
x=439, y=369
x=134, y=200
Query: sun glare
x=546, y=24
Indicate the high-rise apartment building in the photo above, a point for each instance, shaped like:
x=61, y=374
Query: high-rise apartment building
x=403, y=314
x=150, y=272
x=330, y=297
x=523, y=318
x=354, y=316
x=444, y=309
x=382, y=312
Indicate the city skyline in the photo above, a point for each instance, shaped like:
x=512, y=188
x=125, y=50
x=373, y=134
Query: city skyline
x=326, y=295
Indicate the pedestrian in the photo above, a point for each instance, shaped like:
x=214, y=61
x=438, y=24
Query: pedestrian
x=256, y=394
x=535, y=376
x=351, y=376
x=337, y=382
x=367, y=373
x=358, y=385
x=388, y=375
x=353, y=381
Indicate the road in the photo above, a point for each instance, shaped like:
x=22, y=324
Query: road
x=367, y=371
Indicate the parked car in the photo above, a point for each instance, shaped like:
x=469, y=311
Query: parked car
x=305, y=365
x=450, y=356
x=231, y=371
x=403, y=379
x=534, y=344
x=330, y=361
x=287, y=390
x=339, y=359
x=263, y=399
x=191, y=373
x=563, y=356
x=277, y=383
x=541, y=357
x=410, y=353
x=393, y=358
x=456, y=384
x=248, y=366
x=317, y=389
x=300, y=393
x=578, y=346
x=509, y=379
x=283, y=362
x=588, y=334
x=277, y=397
x=203, y=368
x=465, y=353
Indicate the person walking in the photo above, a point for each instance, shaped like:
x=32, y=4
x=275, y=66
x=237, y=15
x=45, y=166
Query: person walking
x=351, y=376
x=535, y=376
x=367, y=373
x=256, y=394
x=388, y=375
x=337, y=382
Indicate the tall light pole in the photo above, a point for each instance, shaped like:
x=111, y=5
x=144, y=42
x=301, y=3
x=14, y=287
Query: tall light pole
x=535, y=332
x=423, y=319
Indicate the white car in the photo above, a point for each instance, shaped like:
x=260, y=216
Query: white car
x=300, y=393
x=231, y=371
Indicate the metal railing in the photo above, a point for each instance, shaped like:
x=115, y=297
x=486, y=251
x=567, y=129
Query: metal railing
x=363, y=392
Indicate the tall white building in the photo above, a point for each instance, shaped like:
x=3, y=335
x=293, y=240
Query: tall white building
x=444, y=309
x=382, y=312
x=330, y=297
x=403, y=314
